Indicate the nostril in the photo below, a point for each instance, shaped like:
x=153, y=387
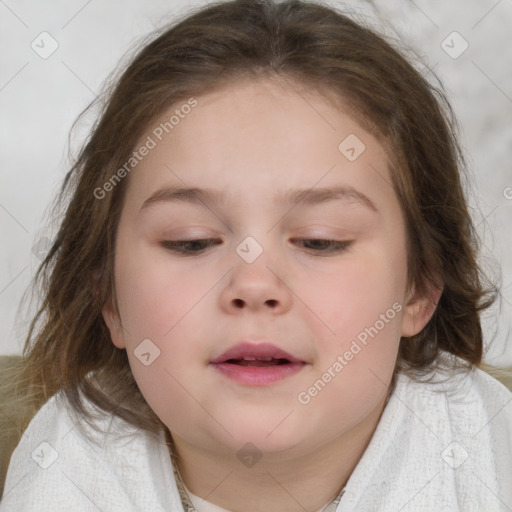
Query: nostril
x=240, y=303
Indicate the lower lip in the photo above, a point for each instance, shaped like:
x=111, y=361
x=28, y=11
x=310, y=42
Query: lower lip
x=258, y=375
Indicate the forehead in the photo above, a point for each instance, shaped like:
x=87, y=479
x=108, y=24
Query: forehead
x=253, y=137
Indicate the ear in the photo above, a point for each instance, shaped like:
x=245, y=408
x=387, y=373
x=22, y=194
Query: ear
x=420, y=308
x=109, y=313
x=111, y=318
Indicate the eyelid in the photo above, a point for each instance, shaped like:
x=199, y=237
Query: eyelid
x=189, y=240
x=334, y=247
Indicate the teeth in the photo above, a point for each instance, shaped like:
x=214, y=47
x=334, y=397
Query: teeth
x=258, y=358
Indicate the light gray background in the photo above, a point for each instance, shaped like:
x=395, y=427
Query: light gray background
x=40, y=99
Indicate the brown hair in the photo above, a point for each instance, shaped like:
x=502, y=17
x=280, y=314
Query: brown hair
x=310, y=45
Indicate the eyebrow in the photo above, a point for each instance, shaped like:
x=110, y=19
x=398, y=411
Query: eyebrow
x=307, y=197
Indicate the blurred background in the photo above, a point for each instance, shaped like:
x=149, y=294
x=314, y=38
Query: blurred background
x=56, y=56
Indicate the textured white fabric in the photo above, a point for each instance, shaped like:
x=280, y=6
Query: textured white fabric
x=122, y=474
x=443, y=447
x=202, y=505
x=205, y=506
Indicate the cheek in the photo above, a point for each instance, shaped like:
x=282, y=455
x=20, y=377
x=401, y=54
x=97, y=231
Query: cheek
x=357, y=354
x=359, y=291
x=361, y=308
x=161, y=304
x=155, y=297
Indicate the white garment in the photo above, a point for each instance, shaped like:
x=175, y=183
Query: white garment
x=434, y=449
x=202, y=505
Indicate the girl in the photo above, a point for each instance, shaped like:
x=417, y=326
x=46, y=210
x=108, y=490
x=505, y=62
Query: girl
x=264, y=293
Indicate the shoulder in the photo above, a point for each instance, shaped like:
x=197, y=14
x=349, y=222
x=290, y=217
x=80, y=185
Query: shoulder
x=471, y=387
x=491, y=401
x=443, y=442
x=61, y=464
x=468, y=420
x=467, y=398
x=490, y=390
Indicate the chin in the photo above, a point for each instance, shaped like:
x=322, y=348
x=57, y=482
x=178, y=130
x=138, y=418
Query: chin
x=267, y=439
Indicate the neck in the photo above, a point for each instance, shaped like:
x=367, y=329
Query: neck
x=274, y=484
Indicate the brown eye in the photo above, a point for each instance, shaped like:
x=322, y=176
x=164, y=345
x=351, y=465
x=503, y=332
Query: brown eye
x=186, y=247
x=322, y=245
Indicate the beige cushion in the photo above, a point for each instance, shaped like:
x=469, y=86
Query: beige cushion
x=8, y=430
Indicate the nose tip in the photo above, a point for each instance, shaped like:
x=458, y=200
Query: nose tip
x=256, y=287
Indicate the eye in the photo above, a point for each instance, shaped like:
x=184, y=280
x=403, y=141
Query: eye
x=323, y=246
x=190, y=247
x=186, y=247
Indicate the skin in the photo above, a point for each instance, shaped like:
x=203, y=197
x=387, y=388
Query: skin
x=254, y=140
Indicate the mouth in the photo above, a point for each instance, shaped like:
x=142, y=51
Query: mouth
x=263, y=362
x=257, y=365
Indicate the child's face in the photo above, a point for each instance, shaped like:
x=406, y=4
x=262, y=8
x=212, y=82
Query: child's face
x=341, y=312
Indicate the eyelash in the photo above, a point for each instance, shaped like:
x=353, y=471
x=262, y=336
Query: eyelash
x=179, y=246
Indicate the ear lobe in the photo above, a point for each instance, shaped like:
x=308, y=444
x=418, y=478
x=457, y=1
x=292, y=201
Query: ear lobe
x=420, y=308
x=111, y=318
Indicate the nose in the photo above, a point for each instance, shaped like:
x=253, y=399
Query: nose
x=256, y=287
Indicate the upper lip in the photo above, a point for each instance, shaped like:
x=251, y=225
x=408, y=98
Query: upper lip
x=259, y=350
